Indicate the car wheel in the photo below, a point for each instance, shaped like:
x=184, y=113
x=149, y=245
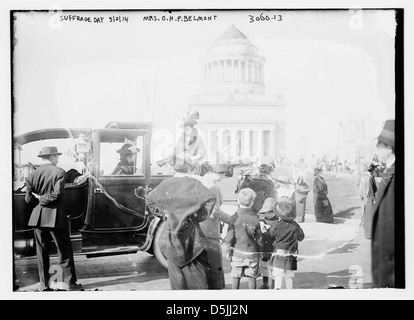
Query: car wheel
x=156, y=244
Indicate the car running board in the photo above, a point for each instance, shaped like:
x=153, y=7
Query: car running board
x=112, y=252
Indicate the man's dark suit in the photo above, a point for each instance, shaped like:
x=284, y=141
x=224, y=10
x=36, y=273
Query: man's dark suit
x=50, y=221
x=383, y=232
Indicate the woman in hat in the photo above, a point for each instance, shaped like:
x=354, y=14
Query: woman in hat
x=286, y=188
x=127, y=156
x=186, y=202
x=323, y=208
x=286, y=234
x=190, y=145
x=260, y=183
x=369, y=196
x=211, y=227
x=301, y=193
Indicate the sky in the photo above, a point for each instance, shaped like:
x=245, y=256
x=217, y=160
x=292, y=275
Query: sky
x=329, y=65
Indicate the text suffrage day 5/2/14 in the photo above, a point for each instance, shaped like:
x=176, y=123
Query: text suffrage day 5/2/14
x=222, y=309
x=89, y=19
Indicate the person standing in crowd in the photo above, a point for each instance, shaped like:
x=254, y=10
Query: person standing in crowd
x=301, y=193
x=286, y=188
x=286, y=234
x=127, y=154
x=211, y=226
x=368, y=192
x=260, y=184
x=44, y=189
x=267, y=218
x=383, y=220
x=244, y=241
x=322, y=205
x=186, y=202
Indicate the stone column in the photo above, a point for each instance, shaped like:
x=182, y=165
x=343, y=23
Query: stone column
x=259, y=141
x=253, y=71
x=216, y=72
x=272, y=147
x=212, y=144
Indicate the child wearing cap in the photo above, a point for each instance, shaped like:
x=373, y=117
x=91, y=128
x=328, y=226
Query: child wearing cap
x=267, y=218
x=286, y=234
x=244, y=241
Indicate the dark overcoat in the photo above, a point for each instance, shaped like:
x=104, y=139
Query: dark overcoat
x=383, y=233
x=286, y=235
x=48, y=182
x=322, y=205
x=369, y=205
x=261, y=185
x=186, y=202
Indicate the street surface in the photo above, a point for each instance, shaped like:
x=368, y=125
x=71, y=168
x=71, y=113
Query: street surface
x=331, y=256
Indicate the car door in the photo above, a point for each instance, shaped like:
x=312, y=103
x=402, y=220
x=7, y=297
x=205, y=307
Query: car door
x=118, y=207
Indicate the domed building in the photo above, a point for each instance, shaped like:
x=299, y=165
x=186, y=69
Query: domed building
x=237, y=119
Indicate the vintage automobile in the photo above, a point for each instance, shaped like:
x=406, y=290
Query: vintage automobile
x=107, y=212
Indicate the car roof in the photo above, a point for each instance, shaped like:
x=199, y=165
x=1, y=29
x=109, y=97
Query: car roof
x=50, y=133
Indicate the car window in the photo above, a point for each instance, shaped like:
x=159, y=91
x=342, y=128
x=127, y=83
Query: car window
x=26, y=160
x=114, y=162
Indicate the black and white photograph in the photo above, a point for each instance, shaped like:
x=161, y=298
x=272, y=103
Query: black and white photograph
x=207, y=152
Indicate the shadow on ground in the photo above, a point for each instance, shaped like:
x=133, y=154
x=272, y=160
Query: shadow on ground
x=347, y=213
x=348, y=248
x=342, y=279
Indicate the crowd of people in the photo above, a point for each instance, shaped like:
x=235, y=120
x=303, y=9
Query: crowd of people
x=262, y=237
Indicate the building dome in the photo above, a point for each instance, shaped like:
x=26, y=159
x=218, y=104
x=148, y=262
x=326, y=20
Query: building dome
x=232, y=65
x=238, y=121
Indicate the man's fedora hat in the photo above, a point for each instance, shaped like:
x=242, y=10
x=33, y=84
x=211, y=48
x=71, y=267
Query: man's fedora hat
x=268, y=208
x=387, y=134
x=48, y=151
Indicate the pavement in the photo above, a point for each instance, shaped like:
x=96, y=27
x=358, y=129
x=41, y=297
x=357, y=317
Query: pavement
x=331, y=256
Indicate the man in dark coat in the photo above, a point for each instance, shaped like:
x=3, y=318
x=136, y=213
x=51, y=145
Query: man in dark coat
x=383, y=225
x=44, y=188
x=186, y=202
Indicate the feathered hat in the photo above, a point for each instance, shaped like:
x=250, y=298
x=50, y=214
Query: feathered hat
x=191, y=119
x=128, y=148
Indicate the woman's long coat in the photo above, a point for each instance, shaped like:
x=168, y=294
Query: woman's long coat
x=369, y=205
x=323, y=208
x=301, y=193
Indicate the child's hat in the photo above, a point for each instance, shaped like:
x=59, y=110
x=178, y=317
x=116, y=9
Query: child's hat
x=268, y=208
x=285, y=209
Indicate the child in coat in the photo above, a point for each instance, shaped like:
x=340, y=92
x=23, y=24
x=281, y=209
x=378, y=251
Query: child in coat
x=267, y=218
x=286, y=235
x=244, y=241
